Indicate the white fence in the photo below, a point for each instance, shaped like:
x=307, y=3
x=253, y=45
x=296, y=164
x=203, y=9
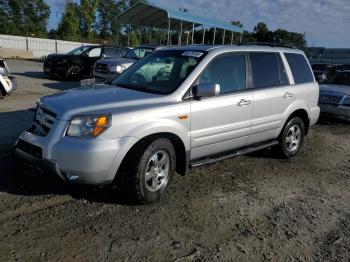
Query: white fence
x=39, y=46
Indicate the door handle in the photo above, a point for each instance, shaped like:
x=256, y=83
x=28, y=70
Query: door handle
x=288, y=95
x=244, y=102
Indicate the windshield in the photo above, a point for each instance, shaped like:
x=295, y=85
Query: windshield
x=139, y=53
x=340, y=79
x=160, y=73
x=79, y=50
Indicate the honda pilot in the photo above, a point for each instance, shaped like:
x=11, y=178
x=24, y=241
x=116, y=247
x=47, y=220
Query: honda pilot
x=178, y=108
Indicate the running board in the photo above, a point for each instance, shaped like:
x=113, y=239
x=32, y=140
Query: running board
x=231, y=154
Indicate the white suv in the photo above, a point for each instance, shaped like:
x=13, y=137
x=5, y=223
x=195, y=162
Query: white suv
x=178, y=108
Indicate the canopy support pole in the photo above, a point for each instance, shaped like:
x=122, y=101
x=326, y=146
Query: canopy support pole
x=128, y=29
x=188, y=36
x=168, y=42
x=180, y=36
x=150, y=36
x=214, y=36
x=193, y=34
x=203, y=35
x=141, y=35
x=223, y=37
x=240, y=39
x=231, y=38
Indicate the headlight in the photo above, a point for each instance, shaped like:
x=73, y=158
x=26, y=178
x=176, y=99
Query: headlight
x=346, y=101
x=117, y=69
x=63, y=61
x=7, y=80
x=88, y=126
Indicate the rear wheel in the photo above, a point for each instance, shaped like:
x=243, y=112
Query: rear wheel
x=292, y=137
x=148, y=170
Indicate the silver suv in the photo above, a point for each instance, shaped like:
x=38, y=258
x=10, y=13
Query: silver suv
x=178, y=108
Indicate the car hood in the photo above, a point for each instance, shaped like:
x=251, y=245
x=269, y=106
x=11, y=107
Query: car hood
x=98, y=99
x=335, y=89
x=56, y=57
x=117, y=61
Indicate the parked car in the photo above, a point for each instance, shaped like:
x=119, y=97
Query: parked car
x=8, y=83
x=111, y=68
x=178, y=108
x=334, y=98
x=322, y=71
x=79, y=63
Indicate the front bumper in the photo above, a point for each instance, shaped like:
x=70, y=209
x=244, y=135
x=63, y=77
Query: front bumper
x=107, y=75
x=335, y=111
x=85, y=161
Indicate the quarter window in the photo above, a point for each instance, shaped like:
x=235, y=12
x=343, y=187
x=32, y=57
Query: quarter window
x=300, y=68
x=229, y=71
x=267, y=70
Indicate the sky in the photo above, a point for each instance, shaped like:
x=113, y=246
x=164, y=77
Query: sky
x=326, y=22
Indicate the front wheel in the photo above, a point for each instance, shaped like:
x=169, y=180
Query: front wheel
x=149, y=170
x=74, y=72
x=292, y=137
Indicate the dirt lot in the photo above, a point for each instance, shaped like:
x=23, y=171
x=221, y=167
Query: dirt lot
x=250, y=208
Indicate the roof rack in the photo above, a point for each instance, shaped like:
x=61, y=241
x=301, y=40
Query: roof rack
x=271, y=44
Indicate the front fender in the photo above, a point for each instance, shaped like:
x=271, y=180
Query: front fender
x=150, y=128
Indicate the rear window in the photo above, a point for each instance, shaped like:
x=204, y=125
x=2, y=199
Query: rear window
x=300, y=68
x=268, y=70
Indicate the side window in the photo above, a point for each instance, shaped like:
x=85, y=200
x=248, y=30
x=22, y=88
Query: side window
x=300, y=68
x=228, y=70
x=96, y=52
x=265, y=70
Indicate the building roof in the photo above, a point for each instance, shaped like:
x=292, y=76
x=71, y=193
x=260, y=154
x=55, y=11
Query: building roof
x=149, y=15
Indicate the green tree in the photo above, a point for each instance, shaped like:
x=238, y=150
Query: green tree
x=24, y=17
x=68, y=28
x=35, y=16
x=87, y=16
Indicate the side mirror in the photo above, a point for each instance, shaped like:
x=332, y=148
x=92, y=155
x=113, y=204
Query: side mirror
x=206, y=90
x=103, y=56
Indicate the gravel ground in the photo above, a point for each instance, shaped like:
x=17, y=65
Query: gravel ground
x=250, y=208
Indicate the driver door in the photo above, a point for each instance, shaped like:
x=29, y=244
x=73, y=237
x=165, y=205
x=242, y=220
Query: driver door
x=222, y=123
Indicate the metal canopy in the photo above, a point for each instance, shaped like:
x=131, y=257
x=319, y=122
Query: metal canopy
x=149, y=15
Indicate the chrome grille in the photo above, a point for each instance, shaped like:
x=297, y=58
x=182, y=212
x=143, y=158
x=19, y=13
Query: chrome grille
x=101, y=67
x=45, y=118
x=330, y=99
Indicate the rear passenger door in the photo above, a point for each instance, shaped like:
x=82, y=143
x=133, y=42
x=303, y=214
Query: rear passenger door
x=222, y=123
x=271, y=95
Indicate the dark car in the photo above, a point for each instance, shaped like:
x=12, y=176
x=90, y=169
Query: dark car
x=79, y=63
x=322, y=71
x=334, y=99
x=109, y=69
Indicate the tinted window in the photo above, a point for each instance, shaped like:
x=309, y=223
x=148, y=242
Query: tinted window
x=112, y=52
x=228, y=70
x=300, y=68
x=265, y=69
x=139, y=53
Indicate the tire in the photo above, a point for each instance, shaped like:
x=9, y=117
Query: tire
x=74, y=72
x=291, y=138
x=2, y=92
x=148, y=170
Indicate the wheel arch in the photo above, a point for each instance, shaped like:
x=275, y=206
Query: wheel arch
x=182, y=156
x=303, y=114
